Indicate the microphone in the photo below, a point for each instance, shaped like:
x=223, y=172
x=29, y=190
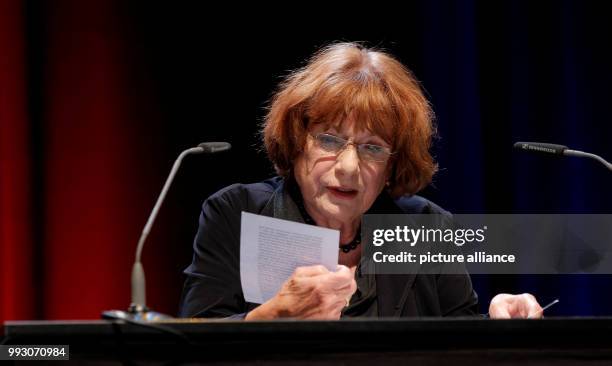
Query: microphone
x=555, y=149
x=138, y=309
x=215, y=147
x=540, y=147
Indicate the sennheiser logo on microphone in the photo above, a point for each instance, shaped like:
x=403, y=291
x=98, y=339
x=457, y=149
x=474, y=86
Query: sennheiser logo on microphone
x=538, y=148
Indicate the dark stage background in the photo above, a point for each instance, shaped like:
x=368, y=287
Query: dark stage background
x=97, y=99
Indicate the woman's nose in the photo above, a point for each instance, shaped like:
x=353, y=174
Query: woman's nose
x=348, y=159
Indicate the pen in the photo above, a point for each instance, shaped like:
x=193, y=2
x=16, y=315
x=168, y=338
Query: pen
x=545, y=307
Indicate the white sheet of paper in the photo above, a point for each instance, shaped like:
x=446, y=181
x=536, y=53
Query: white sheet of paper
x=271, y=249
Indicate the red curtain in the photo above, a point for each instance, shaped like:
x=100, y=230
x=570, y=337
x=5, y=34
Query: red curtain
x=16, y=286
x=98, y=182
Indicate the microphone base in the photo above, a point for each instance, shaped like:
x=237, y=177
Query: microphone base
x=135, y=314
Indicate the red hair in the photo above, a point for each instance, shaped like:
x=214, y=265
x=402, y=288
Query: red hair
x=373, y=87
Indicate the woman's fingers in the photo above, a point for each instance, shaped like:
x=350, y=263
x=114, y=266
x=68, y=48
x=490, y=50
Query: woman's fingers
x=310, y=271
x=500, y=307
x=531, y=307
x=506, y=306
x=342, y=278
x=312, y=292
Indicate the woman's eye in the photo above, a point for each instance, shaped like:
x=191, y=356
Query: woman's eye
x=330, y=141
x=327, y=139
x=373, y=149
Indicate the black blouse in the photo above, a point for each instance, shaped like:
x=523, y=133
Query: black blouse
x=213, y=287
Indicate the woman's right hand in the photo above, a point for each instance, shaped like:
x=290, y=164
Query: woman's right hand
x=311, y=292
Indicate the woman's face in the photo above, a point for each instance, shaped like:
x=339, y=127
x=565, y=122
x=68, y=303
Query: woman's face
x=340, y=187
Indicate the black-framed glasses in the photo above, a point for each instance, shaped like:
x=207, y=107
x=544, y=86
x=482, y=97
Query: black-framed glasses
x=368, y=152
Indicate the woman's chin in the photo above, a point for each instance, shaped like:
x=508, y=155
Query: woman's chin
x=335, y=212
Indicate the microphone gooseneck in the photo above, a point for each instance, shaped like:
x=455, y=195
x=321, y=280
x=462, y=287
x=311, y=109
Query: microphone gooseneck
x=138, y=310
x=562, y=150
x=138, y=277
x=583, y=154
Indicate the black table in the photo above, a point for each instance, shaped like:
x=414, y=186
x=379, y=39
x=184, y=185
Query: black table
x=429, y=341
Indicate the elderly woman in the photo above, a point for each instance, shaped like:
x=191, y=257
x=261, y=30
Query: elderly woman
x=349, y=134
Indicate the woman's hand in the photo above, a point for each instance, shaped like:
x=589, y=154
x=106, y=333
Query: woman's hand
x=311, y=292
x=506, y=306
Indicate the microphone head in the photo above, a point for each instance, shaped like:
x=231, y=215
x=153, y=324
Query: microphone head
x=215, y=147
x=540, y=147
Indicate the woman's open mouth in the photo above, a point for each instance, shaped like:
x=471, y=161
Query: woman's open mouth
x=345, y=193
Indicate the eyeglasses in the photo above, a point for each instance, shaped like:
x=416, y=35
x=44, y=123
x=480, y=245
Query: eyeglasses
x=367, y=152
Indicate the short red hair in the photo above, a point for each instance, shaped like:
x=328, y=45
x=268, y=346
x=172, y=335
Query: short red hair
x=377, y=90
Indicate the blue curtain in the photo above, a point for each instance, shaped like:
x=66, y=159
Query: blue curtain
x=500, y=72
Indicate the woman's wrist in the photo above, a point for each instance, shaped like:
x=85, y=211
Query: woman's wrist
x=265, y=311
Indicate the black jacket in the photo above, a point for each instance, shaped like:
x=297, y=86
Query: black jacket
x=213, y=288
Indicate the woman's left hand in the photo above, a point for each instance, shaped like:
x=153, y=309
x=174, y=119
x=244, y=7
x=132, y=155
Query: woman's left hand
x=507, y=306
